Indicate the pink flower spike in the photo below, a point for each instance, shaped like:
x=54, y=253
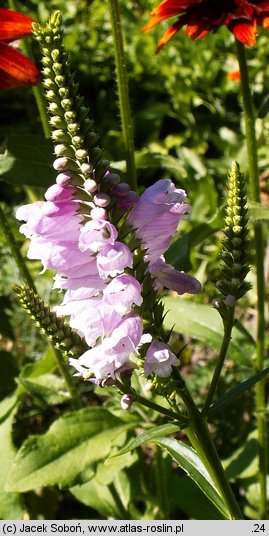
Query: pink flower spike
x=64, y=179
x=155, y=201
x=159, y=360
x=98, y=213
x=60, y=163
x=124, y=203
x=90, y=186
x=113, y=259
x=58, y=194
x=121, y=190
x=95, y=234
x=122, y=292
x=102, y=200
x=165, y=276
x=112, y=354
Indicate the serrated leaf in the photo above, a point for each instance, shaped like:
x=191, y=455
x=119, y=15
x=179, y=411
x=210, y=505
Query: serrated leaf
x=28, y=160
x=66, y=453
x=11, y=504
x=188, y=460
x=149, y=435
x=236, y=392
x=203, y=322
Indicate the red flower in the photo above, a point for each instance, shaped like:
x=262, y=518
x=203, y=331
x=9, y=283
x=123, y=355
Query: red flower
x=202, y=16
x=15, y=69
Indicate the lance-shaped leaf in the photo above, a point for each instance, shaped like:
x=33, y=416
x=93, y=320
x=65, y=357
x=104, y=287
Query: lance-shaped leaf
x=188, y=460
x=153, y=434
x=236, y=392
x=66, y=453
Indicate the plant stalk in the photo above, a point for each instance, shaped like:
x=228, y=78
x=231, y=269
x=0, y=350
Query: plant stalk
x=199, y=436
x=122, y=83
x=181, y=419
x=228, y=326
x=254, y=191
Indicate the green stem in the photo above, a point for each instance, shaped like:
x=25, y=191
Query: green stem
x=228, y=326
x=21, y=264
x=65, y=371
x=124, y=514
x=122, y=83
x=152, y=405
x=199, y=436
x=161, y=483
x=249, y=115
x=37, y=90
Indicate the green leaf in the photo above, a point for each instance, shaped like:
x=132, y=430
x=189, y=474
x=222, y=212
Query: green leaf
x=101, y=497
x=150, y=435
x=191, y=500
x=28, y=160
x=49, y=388
x=11, y=505
x=67, y=452
x=258, y=212
x=236, y=392
x=204, y=323
x=244, y=461
x=147, y=159
x=188, y=460
x=38, y=379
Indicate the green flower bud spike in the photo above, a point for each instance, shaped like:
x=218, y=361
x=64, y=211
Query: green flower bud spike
x=235, y=252
x=57, y=331
x=72, y=131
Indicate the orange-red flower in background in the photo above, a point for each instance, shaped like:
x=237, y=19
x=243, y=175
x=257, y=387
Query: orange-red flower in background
x=202, y=16
x=234, y=76
x=15, y=69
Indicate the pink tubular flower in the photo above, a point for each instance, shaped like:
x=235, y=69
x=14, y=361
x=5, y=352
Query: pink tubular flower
x=95, y=234
x=156, y=216
x=112, y=259
x=107, y=358
x=159, y=360
x=122, y=292
x=165, y=276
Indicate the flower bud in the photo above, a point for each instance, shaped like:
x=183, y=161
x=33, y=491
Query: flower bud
x=86, y=168
x=126, y=401
x=60, y=163
x=102, y=200
x=90, y=185
x=98, y=213
x=64, y=179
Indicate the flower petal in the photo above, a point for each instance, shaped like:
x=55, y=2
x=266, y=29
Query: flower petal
x=15, y=69
x=14, y=25
x=245, y=32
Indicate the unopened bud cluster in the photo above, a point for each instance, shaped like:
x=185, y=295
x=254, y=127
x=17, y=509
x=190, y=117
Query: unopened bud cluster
x=75, y=141
x=57, y=331
x=235, y=251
